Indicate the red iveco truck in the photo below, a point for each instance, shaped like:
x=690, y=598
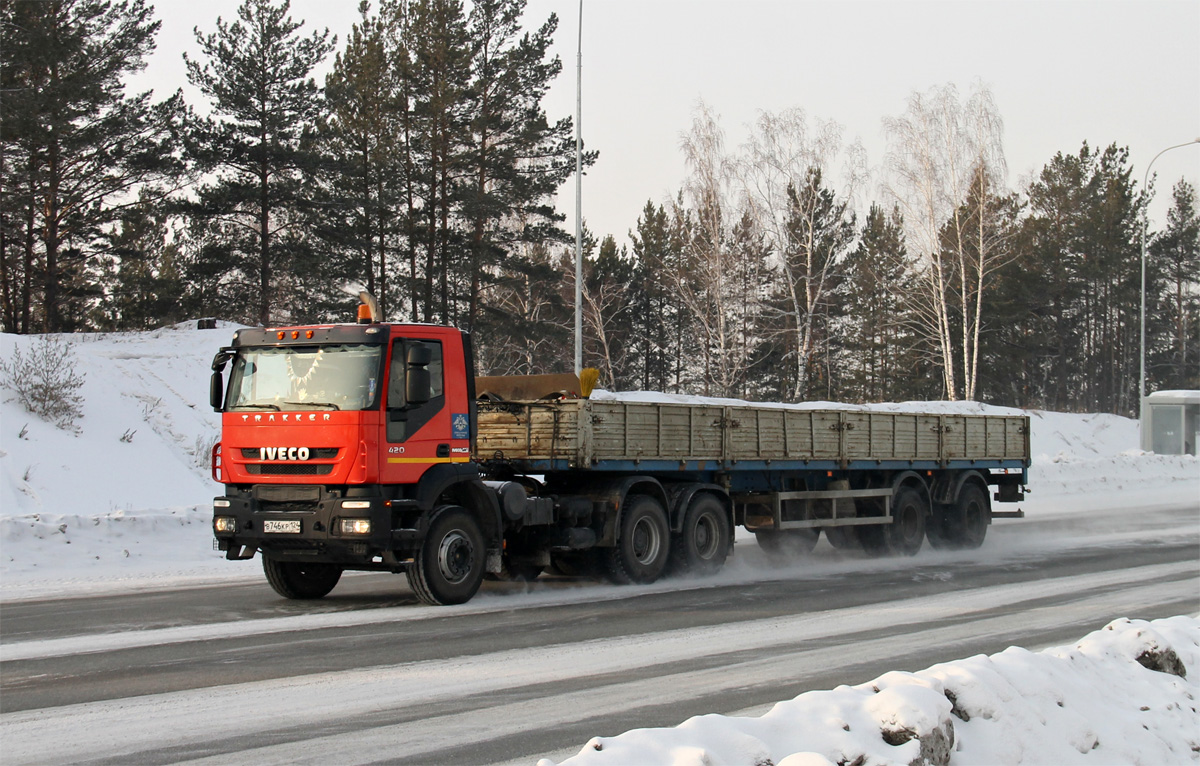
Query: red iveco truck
x=373, y=446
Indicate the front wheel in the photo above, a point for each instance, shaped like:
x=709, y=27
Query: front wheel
x=301, y=579
x=449, y=565
x=703, y=543
x=640, y=555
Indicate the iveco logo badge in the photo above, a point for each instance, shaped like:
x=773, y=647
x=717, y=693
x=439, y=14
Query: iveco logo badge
x=283, y=453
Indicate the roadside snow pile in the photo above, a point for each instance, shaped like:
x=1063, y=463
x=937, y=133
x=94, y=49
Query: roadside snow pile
x=124, y=490
x=1123, y=694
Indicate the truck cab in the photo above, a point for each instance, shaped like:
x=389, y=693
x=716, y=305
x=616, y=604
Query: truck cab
x=341, y=445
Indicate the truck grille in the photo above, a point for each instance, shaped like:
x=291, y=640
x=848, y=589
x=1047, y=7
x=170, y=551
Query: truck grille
x=290, y=469
x=314, y=453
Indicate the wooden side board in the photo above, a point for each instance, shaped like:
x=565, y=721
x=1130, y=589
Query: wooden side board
x=585, y=431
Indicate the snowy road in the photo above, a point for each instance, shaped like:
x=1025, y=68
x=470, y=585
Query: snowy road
x=231, y=674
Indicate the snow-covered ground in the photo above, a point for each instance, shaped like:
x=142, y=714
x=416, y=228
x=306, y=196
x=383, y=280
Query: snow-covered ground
x=121, y=501
x=1121, y=695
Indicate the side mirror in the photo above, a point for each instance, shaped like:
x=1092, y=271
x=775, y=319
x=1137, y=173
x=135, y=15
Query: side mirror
x=216, y=391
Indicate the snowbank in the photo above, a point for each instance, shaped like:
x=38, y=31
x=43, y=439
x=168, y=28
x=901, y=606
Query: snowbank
x=123, y=499
x=1120, y=695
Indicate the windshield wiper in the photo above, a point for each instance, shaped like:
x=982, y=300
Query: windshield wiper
x=314, y=404
x=275, y=407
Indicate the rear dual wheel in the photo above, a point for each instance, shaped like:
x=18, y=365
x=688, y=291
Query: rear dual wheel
x=784, y=544
x=962, y=525
x=643, y=544
x=906, y=533
x=703, y=544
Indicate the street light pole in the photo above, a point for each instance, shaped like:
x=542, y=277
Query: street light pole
x=1145, y=183
x=579, y=199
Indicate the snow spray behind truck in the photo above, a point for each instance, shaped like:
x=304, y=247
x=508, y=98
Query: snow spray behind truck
x=373, y=446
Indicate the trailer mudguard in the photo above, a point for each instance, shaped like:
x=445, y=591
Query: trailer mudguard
x=614, y=494
x=682, y=495
x=948, y=485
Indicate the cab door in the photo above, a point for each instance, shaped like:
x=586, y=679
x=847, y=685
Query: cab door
x=416, y=433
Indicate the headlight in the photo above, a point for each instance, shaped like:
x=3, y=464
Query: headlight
x=221, y=502
x=356, y=526
x=356, y=504
x=225, y=524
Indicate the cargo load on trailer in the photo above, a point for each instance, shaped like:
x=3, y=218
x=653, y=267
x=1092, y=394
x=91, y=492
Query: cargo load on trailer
x=373, y=446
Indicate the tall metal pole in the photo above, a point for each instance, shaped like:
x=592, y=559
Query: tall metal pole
x=579, y=199
x=1142, y=370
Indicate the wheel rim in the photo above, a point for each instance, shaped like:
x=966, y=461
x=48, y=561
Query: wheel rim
x=706, y=536
x=646, y=541
x=455, y=556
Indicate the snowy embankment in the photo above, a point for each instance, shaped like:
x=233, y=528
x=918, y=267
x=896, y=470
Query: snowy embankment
x=1124, y=694
x=122, y=500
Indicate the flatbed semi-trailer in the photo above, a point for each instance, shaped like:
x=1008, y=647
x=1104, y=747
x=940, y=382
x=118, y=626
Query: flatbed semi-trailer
x=373, y=447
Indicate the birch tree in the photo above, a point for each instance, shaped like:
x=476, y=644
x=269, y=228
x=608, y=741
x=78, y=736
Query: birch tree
x=941, y=152
x=782, y=153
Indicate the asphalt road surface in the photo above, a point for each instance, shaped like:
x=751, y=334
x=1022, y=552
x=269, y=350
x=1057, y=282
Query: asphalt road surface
x=233, y=674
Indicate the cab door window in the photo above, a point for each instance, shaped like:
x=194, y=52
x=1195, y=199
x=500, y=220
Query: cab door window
x=405, y=419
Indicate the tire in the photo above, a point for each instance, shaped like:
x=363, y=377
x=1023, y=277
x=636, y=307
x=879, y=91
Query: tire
x=973, y=512
x=577, y=564
x=843, y=538
x=450, y=563
x=963, y=524
x=301, y=580
x=703, y=544
x=783, y=544
x=907, y=530
x=511, y=572
x=643, y=545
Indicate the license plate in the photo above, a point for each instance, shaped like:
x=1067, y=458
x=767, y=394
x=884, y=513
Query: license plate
x=287, y=527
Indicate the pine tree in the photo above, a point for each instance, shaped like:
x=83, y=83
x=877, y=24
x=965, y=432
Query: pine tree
x=362, y=176
x=257, y=74
x=72, y=146
x=658, y=320
x=1174, y=266
x=874, y=335
x=517, y=159
x=143, y=280
x=1079, y=281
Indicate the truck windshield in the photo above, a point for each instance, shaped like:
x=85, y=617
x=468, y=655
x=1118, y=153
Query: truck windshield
x=333, y=377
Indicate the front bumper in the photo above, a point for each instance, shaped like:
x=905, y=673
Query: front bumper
x=306, y=523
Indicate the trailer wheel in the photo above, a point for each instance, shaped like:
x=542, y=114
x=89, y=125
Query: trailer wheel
x=703, y=544
x=907, y=530
x=787, y=543
x=301, y=579
x=972, y=514
x=641, y=552
x=449, y=565
x=510, y=572
x=843, y=538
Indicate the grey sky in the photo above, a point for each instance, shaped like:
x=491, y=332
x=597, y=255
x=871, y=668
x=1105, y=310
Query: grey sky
x=1061, y=72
